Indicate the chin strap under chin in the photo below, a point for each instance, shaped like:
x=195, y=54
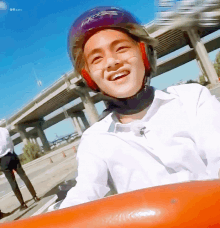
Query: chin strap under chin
x=131, y=105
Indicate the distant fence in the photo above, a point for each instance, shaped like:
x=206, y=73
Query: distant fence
x=60, y=140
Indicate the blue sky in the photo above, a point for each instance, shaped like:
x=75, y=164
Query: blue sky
x=33, y=44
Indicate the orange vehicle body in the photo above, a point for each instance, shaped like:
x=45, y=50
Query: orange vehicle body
x=191, y=204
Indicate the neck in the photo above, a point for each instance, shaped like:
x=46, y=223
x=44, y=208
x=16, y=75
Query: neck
x=129, y=118
x=132, y=108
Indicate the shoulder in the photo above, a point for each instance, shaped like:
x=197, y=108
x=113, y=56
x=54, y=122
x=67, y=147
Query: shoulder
x=192, y=96
x=97, y=140
x=191, y=92
x=99, y=127
x=190, y=88
x=4, y=131
x=94, y=135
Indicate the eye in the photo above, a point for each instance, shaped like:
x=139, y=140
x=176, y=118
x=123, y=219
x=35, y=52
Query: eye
x=96, y=59
x=122, y=48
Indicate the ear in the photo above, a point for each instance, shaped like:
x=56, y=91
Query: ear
x=145, y=58
x=89, y=81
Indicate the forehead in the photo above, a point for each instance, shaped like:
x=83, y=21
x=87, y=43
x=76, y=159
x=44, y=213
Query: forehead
x=106, y=36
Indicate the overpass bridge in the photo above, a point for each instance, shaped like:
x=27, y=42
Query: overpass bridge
x=74, y=112
x=31, y=120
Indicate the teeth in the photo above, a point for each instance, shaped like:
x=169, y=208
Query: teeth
x=119, y=75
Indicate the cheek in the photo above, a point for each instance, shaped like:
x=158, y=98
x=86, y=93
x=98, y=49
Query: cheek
x=96, y=76
x=137, y=64
x=95, y=68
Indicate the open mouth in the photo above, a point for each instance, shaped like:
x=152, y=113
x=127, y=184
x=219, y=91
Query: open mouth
x=120, y=75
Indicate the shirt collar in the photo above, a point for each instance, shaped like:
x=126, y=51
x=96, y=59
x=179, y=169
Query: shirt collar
x=159, y=97
x=163, y=95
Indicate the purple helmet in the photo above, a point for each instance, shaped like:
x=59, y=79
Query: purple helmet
x=100, y=17
x=95, y=19
x=103, y=17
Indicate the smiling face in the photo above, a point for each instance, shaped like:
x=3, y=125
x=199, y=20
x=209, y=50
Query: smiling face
x=114, y=62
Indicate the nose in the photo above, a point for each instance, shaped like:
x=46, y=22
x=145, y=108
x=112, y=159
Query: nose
x=112, y=63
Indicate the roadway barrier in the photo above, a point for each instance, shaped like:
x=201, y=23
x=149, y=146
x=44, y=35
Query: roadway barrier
x=52, y=156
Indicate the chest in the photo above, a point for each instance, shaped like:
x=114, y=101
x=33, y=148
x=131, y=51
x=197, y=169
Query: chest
x=168, y=140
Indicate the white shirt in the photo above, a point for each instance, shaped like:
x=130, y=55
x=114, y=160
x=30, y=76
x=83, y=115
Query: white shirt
x=181, y=142
x=6, y=144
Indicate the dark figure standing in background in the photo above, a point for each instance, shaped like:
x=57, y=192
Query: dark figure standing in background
x=9, y=162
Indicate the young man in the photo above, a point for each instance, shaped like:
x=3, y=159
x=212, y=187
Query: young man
x=147, y=137
x=9, y=162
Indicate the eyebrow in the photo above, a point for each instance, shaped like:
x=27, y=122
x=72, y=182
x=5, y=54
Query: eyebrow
x=114, y=43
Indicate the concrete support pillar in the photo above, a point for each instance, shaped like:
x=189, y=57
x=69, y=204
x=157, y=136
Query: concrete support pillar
x=43, y=138
x=202, y=70
x=23, y=134
x=90, y=108
x=81, y=114
x=36, y=142
x=76, y=124
x=31, y=139
x=202, y=55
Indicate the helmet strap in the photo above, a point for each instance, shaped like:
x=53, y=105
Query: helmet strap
x=145, y=59
x=131, y=105
x=89, y=80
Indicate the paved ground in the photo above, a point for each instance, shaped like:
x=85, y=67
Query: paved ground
x=6, y=188
x=46, y=184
